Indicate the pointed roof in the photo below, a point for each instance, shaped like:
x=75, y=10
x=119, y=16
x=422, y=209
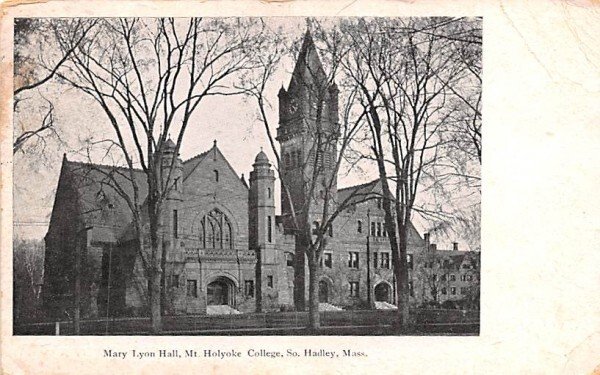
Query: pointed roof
x=308, y=65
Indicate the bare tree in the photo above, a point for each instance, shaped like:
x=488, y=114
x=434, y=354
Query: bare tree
x=404, y=79
x=34, y=68
x=313, y=203
x=148, y=77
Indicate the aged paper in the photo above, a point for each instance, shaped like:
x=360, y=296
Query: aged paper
x=540, y=310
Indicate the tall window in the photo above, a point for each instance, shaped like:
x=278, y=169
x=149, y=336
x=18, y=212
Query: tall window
x=353, y=259
x=327, y=260
x=385, y=260
x=411, y=289
x=175, y=224
x=270, y=281
x=373, y=228
x=359, y=227
x=269, y=229
x=216, y=231
x=216, y=173
x=268, y=192
x=375, y=264
x=378, y=229
x=192, y=288
x=409, y=261
x=173, y=281
x=249, y=288
x=353, y=288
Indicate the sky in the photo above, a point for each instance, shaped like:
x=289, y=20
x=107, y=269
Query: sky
x=232, y=121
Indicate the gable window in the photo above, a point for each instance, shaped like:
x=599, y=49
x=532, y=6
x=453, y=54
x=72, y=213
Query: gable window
x=192, y=288
x=353, y=289
x=216, y=231
x=270, y=281
x=249, y=288
x=176, y=183
x=216, y=173
x=353, y=259
x=359, y=227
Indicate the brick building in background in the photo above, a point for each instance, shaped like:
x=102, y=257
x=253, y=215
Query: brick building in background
x=226, y=249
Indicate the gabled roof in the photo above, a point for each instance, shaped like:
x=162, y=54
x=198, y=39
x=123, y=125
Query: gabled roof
x=190, y=165
x=99, y=191
x=359, y=193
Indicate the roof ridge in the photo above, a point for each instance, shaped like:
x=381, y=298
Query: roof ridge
x=197, y=156
x=103, y=165
x=359, y=185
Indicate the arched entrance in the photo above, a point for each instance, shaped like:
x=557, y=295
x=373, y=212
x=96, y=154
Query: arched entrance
x=220, y=292
x=323, y=291
x=382, y=292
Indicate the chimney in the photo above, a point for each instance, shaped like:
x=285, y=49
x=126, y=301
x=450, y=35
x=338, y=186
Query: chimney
x=426, y=238
x=432, y=247
x=455, y=246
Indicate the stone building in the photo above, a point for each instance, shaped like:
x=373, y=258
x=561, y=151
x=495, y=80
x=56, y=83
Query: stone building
x=226, y=250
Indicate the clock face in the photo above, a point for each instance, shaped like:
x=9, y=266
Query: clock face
x=293, y=106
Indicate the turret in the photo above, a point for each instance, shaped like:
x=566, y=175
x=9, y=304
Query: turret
x=262, y=208
x=175, y=183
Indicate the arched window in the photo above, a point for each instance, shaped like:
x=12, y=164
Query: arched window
x=216, y=172
x=216, y=231
x=315, y=227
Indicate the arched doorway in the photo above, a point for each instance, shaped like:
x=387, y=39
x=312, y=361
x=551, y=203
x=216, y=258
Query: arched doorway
x=382, y=292
x=323, y=291
x=220, y=292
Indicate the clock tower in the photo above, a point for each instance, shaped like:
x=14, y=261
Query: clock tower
x=308, y=131
x=307, y=134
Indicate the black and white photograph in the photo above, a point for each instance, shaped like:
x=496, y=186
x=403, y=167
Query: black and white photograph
x=247, y=176
x=299, y=187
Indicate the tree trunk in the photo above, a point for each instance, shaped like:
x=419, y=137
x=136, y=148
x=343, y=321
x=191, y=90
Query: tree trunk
x=155, y=263
x=313, y=292
x=401, y=270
